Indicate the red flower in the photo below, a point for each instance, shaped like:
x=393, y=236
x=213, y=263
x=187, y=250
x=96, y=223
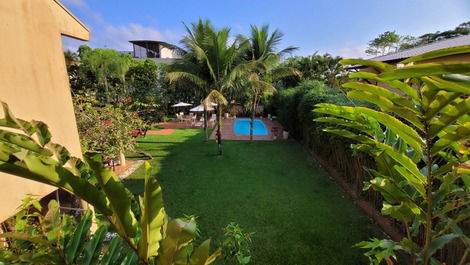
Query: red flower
x=107, y=123
x=389, y=260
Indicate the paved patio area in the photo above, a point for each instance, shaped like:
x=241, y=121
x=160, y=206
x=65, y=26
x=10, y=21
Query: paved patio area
x=274, y=131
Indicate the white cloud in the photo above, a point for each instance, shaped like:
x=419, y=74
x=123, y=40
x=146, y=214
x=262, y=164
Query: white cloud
x=104, y=34
x=117, y=37
x=352, y=51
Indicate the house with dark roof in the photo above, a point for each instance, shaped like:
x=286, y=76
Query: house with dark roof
x=158, y=51
x=447, y=43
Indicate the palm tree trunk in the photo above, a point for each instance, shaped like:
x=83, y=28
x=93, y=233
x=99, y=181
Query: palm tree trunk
x=219, y=134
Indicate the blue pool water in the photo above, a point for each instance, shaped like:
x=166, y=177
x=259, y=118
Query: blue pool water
x=242, y=126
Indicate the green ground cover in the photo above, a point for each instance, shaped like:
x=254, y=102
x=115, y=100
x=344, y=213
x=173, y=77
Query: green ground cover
x=298, y=214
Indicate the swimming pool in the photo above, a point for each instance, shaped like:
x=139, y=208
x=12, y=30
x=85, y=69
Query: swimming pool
x=242, y=126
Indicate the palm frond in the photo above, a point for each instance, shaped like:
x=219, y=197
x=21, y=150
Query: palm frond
x=215, y=97
x=176, y=77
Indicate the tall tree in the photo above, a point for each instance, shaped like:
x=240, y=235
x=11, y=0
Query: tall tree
x=263, y=57
x=222, y=59
x=385, y=43
x=105, y=65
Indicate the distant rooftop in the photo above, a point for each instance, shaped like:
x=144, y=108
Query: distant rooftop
x=447, y=43
x=146, y=42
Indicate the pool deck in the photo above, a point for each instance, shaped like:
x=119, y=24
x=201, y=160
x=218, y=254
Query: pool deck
x=273, y=127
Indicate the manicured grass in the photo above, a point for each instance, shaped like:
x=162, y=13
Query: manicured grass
x=298, y=214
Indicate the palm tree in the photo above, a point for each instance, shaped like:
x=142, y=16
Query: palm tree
x=217, y=65
x=264, y=59
x=106, y=64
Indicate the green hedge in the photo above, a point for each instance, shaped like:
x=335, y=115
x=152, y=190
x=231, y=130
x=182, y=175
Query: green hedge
x=294, y=106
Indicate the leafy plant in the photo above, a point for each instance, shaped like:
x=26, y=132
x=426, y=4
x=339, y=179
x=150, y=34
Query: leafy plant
x=419, y=140
x=105, y=128
x=26, y=151
x=236, y=244
x=56, y=238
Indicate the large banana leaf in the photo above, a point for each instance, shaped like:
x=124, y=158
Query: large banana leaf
x=201, y=254
x=152, y=218
x=179, y=234
x=375, y=64
x=401, y=86
x=123, y=218
x=49, y=171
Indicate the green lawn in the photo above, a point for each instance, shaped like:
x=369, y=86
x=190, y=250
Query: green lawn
x=299, y=215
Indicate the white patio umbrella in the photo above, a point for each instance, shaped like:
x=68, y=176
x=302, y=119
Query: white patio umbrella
x=181, y=104
x=200, y=108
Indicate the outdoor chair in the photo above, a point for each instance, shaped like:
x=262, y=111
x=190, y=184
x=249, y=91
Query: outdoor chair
x=180, y=117
x=199, y=123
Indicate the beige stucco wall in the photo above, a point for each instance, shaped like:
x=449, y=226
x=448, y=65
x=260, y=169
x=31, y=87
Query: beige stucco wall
x=34, y=81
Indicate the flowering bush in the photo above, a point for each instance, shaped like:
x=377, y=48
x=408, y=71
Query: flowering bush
x=105, y=128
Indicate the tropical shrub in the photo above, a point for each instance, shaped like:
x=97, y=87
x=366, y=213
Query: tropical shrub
x=26, y=151
x=105, y=128
x=147, y=91
x=293, y=106
x=325, y=68
x=418, y=137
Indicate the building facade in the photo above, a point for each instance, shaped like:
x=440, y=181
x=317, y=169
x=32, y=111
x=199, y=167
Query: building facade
x=158, y=51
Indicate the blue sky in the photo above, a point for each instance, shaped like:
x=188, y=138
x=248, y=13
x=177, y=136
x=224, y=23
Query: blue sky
x=340, y=27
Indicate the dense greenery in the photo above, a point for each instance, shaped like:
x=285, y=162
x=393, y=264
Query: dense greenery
x=390, y=41
x=114, y=96
x=26, y=151
x=298, y=214
x=105, y=128
x=419, y=140
x=55, y=238
x=293, y=106
x=325, y=68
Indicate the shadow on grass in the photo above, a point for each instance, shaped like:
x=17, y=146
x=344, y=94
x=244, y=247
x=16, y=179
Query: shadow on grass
x=298, y=214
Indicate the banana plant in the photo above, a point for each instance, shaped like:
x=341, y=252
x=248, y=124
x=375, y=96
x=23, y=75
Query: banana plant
x=419, y=138
x=26, y=151
x=57, y=239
